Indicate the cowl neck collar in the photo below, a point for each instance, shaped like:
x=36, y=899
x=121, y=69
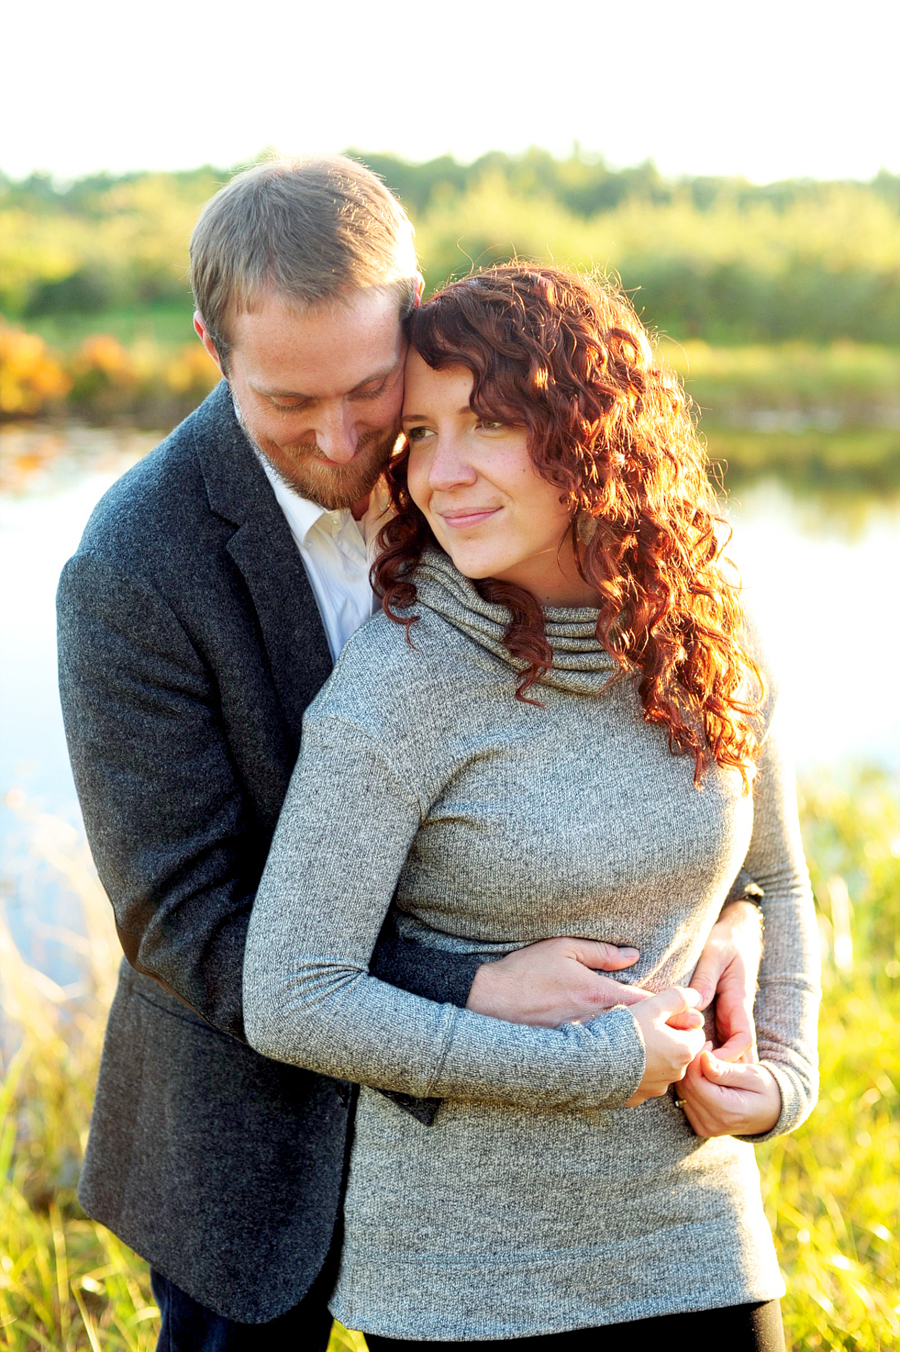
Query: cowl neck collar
x=579, y=663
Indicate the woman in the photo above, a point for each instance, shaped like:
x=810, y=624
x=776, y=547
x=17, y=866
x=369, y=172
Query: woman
x=553, y=729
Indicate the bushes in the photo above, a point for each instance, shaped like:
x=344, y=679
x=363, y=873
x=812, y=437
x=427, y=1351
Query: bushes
x=102, y=379
x=32, y=378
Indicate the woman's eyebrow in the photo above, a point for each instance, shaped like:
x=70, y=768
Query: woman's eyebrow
x=423, y=417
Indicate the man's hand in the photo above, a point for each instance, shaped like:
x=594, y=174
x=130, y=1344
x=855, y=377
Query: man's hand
x=728, y=968
x=729, y=1099
x=554, y=981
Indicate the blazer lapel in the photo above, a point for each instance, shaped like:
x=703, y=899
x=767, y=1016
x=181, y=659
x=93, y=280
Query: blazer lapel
x=263, y=549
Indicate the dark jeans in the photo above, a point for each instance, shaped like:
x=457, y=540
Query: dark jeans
x=738, y=1328
x=188, y=1326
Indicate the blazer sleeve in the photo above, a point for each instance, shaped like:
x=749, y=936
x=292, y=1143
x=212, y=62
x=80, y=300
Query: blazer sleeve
x=428, y=972
x=348, y=822
x=167, y=822
x=787, y=1001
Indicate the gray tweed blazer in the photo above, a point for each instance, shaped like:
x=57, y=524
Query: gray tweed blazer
x=190, y=645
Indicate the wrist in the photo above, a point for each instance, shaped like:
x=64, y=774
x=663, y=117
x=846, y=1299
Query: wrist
x=741, y=910
x=484, y=993
x=741, y=924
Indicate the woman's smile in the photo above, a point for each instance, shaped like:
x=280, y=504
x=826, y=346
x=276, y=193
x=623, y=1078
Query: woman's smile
x=463, y=518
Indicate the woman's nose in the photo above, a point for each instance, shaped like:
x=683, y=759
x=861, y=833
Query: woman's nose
x=450, y=465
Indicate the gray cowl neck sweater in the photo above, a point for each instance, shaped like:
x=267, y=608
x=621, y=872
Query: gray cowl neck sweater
x=536, y=1202
x=579, y=663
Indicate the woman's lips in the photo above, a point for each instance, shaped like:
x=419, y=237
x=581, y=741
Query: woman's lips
x=460, y=520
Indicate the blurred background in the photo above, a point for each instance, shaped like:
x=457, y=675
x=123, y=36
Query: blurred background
x=738, y=170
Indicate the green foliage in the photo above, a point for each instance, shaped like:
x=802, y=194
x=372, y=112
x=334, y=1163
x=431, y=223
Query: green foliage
x=720, y=257
x=165, y=325
x=66, y=1282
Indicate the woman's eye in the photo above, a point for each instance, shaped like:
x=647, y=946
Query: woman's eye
x=416, y=433
x=491, y=425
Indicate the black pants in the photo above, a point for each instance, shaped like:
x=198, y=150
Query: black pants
x=188, y=1326
x=738, y=1328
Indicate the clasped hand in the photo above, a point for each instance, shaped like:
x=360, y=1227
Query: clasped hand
x=557, y=981
x=722, y=1098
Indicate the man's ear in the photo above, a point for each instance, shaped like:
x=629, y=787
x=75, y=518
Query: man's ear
x=203, y=334
x=420, y=287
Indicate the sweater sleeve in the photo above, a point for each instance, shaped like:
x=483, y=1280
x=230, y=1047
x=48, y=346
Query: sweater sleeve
x=787, y=1001
x=346, y=828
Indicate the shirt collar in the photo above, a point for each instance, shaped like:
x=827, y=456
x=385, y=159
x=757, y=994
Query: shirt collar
x=302, y=514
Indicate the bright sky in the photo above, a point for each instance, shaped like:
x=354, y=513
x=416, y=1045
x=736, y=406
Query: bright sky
x=766, y=90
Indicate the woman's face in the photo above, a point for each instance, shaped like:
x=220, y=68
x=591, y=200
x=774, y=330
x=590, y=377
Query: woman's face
x=486, y=504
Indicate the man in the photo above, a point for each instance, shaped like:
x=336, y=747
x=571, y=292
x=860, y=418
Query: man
x=213, y=588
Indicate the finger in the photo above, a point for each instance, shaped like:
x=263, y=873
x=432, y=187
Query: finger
x=740, y=1046
x=699, y=1099
x=698, y=1120
x=707, y=975
x=695, y=1040
x=728, y=1074
x=675, y=1000
x=691, y=1046
x=687, y=1020
x=734, y=1021
x=693, y=1075
x=604, y=957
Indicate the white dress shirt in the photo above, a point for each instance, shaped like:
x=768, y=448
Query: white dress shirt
x=333, y=550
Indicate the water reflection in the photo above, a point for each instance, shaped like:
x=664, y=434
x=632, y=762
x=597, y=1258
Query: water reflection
x=38, y=460
x=830, y=468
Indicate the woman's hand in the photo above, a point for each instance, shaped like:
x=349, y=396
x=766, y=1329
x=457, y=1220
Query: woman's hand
x=672, y=1028
x=722, y=1098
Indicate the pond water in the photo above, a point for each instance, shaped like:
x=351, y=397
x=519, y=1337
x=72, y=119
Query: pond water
x=819, y=572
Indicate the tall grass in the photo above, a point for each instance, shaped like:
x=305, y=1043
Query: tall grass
x=830, y=1189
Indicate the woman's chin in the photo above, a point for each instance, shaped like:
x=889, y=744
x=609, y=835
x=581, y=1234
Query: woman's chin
x=466, y=562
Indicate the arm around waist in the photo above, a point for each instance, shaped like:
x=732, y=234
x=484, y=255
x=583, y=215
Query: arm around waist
x=348, y=822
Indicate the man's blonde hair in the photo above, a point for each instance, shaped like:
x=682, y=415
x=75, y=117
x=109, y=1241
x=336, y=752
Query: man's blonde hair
x=307, y=230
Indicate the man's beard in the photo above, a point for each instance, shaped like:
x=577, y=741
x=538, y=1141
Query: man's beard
x=303, y=468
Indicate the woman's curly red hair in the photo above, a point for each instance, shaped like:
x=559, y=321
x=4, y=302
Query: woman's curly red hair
x=611, y=427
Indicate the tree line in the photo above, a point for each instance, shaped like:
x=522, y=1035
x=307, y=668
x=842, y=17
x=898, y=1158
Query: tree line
x=720, y=258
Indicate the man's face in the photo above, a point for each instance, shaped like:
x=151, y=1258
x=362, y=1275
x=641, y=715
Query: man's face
x=319, y=391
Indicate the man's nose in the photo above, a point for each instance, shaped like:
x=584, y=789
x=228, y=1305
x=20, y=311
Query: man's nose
x=336, y=434
x=450, y=465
